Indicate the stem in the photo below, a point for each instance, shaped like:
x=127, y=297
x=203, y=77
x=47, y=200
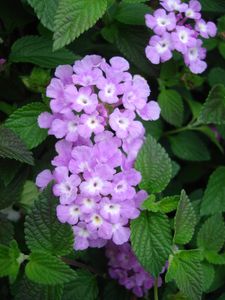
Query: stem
x=190, y=126
x=156, y=297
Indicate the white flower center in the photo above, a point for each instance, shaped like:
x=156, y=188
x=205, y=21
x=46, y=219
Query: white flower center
x=74, y=211
x=123, y=123
x=112, y=209
x=83, y=100
x=83, y=233
x=189, y=13
x=162, y=46
x=120, y=187
x=92, y=122
x=163, y=21
x=109, y=89
x=95, y=184
x=89, y=203
x=183, y=36
x=193, y=54
x=202, y=27
x=96, y=220
x=72, y=126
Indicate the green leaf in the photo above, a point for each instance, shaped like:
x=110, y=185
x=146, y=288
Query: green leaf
x=208, y=275
x=214, y=197
x=211, y=235
x=45, y=10
x=12, y=147
x=132, y=13
x=9, y=263
x=114, y=291
x=155, y=166
x=215, y=6
x=84, y=286
x=38, y=80
x=133, y=1
x=213, y=111
x=46, y=269
x=151, y=241
x=6, y=230
x=73, y=17
x=165, y=205
x=212, y=135
x=214, y=258
x=29, y=194
x=189, y=146
x=222, y=49
x=216, y=76
x=175, y=168
x=42, y=229
x=38, y=50
x=23, y=122
x=172, y=108
x=185, y=220
x=185, y=269
x=27, y=290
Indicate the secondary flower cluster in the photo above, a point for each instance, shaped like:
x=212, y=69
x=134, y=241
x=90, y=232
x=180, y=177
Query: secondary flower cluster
x=179, y=26
x=94, y=106
x=124, y=267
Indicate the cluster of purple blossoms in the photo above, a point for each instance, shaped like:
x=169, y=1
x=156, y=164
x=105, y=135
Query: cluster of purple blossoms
x=93, y=114
x=124, y=267
x=179, y=26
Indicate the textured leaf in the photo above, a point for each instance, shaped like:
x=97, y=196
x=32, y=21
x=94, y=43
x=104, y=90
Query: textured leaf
x=214, y=197
x=45, y=10
x=211, y=235
x=27, y=290
x=165, y=205
x=6, y=231
x=215, y=6
x=214, y=258
x=23, y=122
x=155, y=166
x=216, y=76
x=188, y=146
x=12, y=147
x=213, y=110
x=212, y=135
x=185, y=269
x=208, y=275
x=9, y=264
x=73, y=17
x=185, y=220
x=172, y=107
x=151, y=241
x=46, y=269
x=42, y=229
x=29, y=194
x=83, y=287
x=132, y=14
x=38, y=50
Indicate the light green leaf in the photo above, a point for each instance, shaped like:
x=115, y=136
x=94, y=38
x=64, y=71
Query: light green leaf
x=185, y=220
x=189, y=146
x=12, y=147
x=185, y=269
x=172, y=107
x=165, y=205
x=214, y=197
x=9, y=263
x=155, y=166
x=29, y=194
x=45, y=10
x=83, y=287
x=214, y=258
x=46, y=269
x=213, y=111
x=23, y=122
x=211, y=235
x=38, y=50
x=42, y=229
x=132, y=13
x=151, y=241
x=73, y=17
x=208, y=275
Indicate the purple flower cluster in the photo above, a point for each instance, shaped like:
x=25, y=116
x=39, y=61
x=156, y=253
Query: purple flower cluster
x=124, y=267
x=94, y=106
x=179, y=26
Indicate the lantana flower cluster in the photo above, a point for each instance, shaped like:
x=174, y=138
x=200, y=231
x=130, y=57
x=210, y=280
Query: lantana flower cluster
x=124, y=267
x=94, y=106
x=179, y=26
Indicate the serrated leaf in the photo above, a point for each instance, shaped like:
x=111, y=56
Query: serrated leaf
x=189, y=146
x=27, y=290
x=172, y=107
x=208, y=275
x=185, y=269
x=155, y=166
x=12, y=147
x=168, y=204
x=46, y=269
x=175, y=168
x=6, y=231
x=132, y=13
x=151, y=241
x=38, y=50
x=185, y=220
x=73, y=17
x=212, y=135
x=83, y=287
x=29, y=194
x=9, y=264
x=45, y=10
x=213, y=111
x=214, y=258
x=211, y=235
x=214, y=197
x=23, y=122
x=42, y=229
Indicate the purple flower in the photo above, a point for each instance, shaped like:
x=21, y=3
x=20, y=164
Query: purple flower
x=194, y=58
x=44, y=178
x=81, y=236
x=193, y=10
x=68, y=213
x=159, y=48
x=82, y=159
x=63, y=149
x=174, y=5
x=64, y=73
x=160, y=22
x=150, y=112
x=90, y=124
x=206, y=30
x=183, y=38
